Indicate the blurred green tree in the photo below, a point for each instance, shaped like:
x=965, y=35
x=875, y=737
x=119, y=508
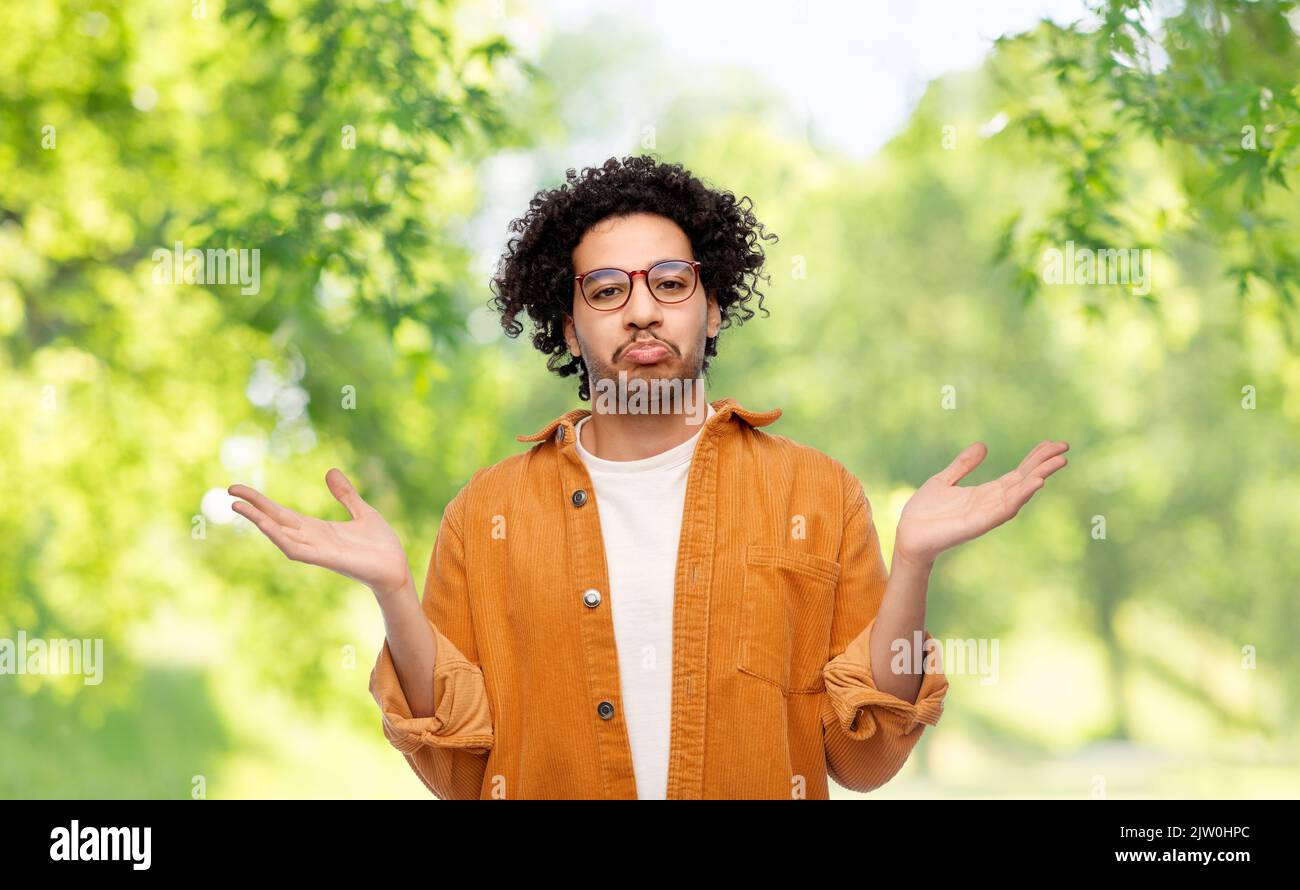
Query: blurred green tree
x=339, y=142
x=1214, y=84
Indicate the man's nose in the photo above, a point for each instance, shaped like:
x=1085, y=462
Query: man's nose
x=641, y=304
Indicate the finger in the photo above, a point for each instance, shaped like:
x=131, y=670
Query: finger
x=968, y=460
x=1048, y=467
x=269, y=527
x=283, y=515
x=1041, y=452
x=346, y=495
x=1023, y=490
x=1017, y=495
x=1030, y=461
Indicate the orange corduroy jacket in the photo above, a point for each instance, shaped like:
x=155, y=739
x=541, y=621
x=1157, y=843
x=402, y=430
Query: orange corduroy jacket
x=779, y=579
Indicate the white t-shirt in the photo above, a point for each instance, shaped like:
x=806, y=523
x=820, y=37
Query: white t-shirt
x=640, y=504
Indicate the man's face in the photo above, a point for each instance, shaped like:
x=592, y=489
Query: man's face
x=606, y=340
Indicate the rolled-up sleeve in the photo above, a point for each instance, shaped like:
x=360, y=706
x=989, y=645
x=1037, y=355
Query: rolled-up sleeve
x=448, y=750
x=869, y=733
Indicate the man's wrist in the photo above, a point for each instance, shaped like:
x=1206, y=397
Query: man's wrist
x=405, y=591
x=914, y=564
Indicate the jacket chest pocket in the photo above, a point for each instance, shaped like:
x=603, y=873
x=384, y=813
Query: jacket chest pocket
x=785, y=618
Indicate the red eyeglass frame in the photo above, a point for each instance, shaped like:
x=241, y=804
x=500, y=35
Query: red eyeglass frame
x=631, y=275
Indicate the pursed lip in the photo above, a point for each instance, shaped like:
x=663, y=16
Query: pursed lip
x=647, y=349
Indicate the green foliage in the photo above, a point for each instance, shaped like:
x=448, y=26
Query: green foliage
x=339, y=141
x=1214, y=86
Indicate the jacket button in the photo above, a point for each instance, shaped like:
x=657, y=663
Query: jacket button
x=579, y=497
x=606, y=710
x=559, y=434
x=592, y=598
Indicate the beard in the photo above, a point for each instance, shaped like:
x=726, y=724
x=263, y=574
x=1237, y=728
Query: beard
x=675, y=384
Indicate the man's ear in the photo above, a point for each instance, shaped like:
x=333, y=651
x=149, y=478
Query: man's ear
x=571, y=336
x=713, y=323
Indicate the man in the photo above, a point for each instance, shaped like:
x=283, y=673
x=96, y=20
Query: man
x=660, y=598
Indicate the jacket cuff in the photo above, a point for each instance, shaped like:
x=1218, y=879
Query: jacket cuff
x=860, y=708
x=462, y=717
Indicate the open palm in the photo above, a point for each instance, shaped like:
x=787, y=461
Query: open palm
x=365, y=549
x=942, y=515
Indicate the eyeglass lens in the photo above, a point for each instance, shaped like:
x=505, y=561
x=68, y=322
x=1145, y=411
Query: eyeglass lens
x=671, y=282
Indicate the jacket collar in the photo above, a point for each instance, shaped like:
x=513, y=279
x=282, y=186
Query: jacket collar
x=724, y=407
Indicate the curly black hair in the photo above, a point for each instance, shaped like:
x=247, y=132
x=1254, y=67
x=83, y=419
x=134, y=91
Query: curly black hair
x=535, y=275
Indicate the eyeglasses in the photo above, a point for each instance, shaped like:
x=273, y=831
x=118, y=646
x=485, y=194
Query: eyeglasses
x=672, y=281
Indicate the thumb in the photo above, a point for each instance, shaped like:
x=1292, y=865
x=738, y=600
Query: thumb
x=342, y=489
x=970, y=458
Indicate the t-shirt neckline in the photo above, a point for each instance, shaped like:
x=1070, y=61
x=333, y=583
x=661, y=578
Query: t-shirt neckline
x=675, y=456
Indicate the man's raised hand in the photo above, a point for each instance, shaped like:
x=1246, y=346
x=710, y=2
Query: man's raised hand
x=942, y=514
x=365, y=548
